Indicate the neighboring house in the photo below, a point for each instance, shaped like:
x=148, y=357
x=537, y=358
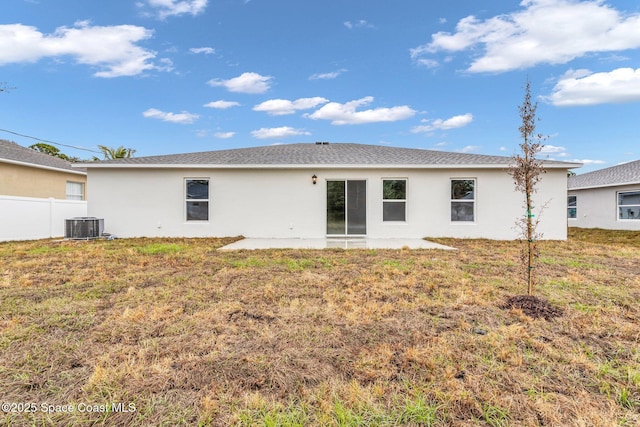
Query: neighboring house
x=37, y=193
x=319, y=190
x=27, y=173
x=607, y=198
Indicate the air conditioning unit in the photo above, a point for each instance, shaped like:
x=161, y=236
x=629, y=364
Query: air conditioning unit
x=83, y=228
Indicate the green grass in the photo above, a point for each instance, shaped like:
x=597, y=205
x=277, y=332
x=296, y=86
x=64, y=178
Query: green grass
x=419, y=411
x=495, y=416
x=194, y=336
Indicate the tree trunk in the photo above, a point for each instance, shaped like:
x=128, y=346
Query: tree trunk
x=530, y=236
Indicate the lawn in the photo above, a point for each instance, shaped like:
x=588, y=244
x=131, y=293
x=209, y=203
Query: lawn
x=173, y=332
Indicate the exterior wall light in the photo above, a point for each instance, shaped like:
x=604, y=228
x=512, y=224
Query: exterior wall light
x=314, y=178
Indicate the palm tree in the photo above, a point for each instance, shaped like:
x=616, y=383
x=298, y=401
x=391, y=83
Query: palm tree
x=115, y=153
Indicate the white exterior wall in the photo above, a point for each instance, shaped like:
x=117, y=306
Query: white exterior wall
x=598, y=208
x=30, y=218
x=284, y=203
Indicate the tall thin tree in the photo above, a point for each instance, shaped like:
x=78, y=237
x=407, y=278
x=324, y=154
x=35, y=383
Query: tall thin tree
x=527, y=171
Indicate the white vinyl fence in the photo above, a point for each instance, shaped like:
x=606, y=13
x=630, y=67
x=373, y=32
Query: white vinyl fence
x=29, y=218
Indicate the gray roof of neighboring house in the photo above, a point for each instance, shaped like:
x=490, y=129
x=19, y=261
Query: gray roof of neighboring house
x=11, y=152
x=626, y=173
x=318, y=154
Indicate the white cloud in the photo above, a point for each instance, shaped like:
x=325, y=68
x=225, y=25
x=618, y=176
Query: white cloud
x=358, y=24
x=182, y=118
x=502, y=148
x=224, y=135
x=440, y=124
x=245, y=83
x=429, y=63
x=166, y=8
x=552, y=149
x=165, y=65
x=588, y=161
x=205, y=50
x=346, y=114
x=469, y=149
x=439, y=146
x=222, y=105
x=586, y=88
x=281, y=132
x=280, y=107
x=327, y=76
x=544, y=31
x=614, y=57
x=112, y=49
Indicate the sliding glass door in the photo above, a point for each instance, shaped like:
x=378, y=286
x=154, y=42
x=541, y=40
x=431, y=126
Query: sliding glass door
x=347, y=207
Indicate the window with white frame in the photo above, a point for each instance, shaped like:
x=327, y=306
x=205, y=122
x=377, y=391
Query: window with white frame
x=75, y=190
x=394, y=200
x=197, y=199
x=629, y=205
x=463, y=200
x=572, y=207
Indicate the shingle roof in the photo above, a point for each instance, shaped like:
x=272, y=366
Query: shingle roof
x=12, y=152
x=627, y=173
x=316, y=154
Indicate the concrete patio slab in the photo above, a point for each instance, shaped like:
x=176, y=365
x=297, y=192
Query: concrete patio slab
x=353, y=243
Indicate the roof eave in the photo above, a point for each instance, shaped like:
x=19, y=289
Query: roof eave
x=52, y=168
x=308, y=166
x=616, y=184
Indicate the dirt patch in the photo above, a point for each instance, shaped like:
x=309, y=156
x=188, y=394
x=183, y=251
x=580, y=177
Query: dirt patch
x=532, y=306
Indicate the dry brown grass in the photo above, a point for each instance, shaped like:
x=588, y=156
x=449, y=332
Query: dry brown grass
x=193, y=336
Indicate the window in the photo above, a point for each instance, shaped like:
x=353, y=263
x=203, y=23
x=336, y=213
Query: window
x=572, y=207
x=75, y=190
x=197, y=199
x=463, y=200
x=394, y=200
x=629, y=205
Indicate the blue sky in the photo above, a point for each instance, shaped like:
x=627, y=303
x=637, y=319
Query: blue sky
x=170, y=76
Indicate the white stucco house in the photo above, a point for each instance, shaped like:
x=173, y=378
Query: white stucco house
x=316, y=190
x=607, y=198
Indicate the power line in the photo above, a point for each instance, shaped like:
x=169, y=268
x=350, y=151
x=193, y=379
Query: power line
x=50, y=142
